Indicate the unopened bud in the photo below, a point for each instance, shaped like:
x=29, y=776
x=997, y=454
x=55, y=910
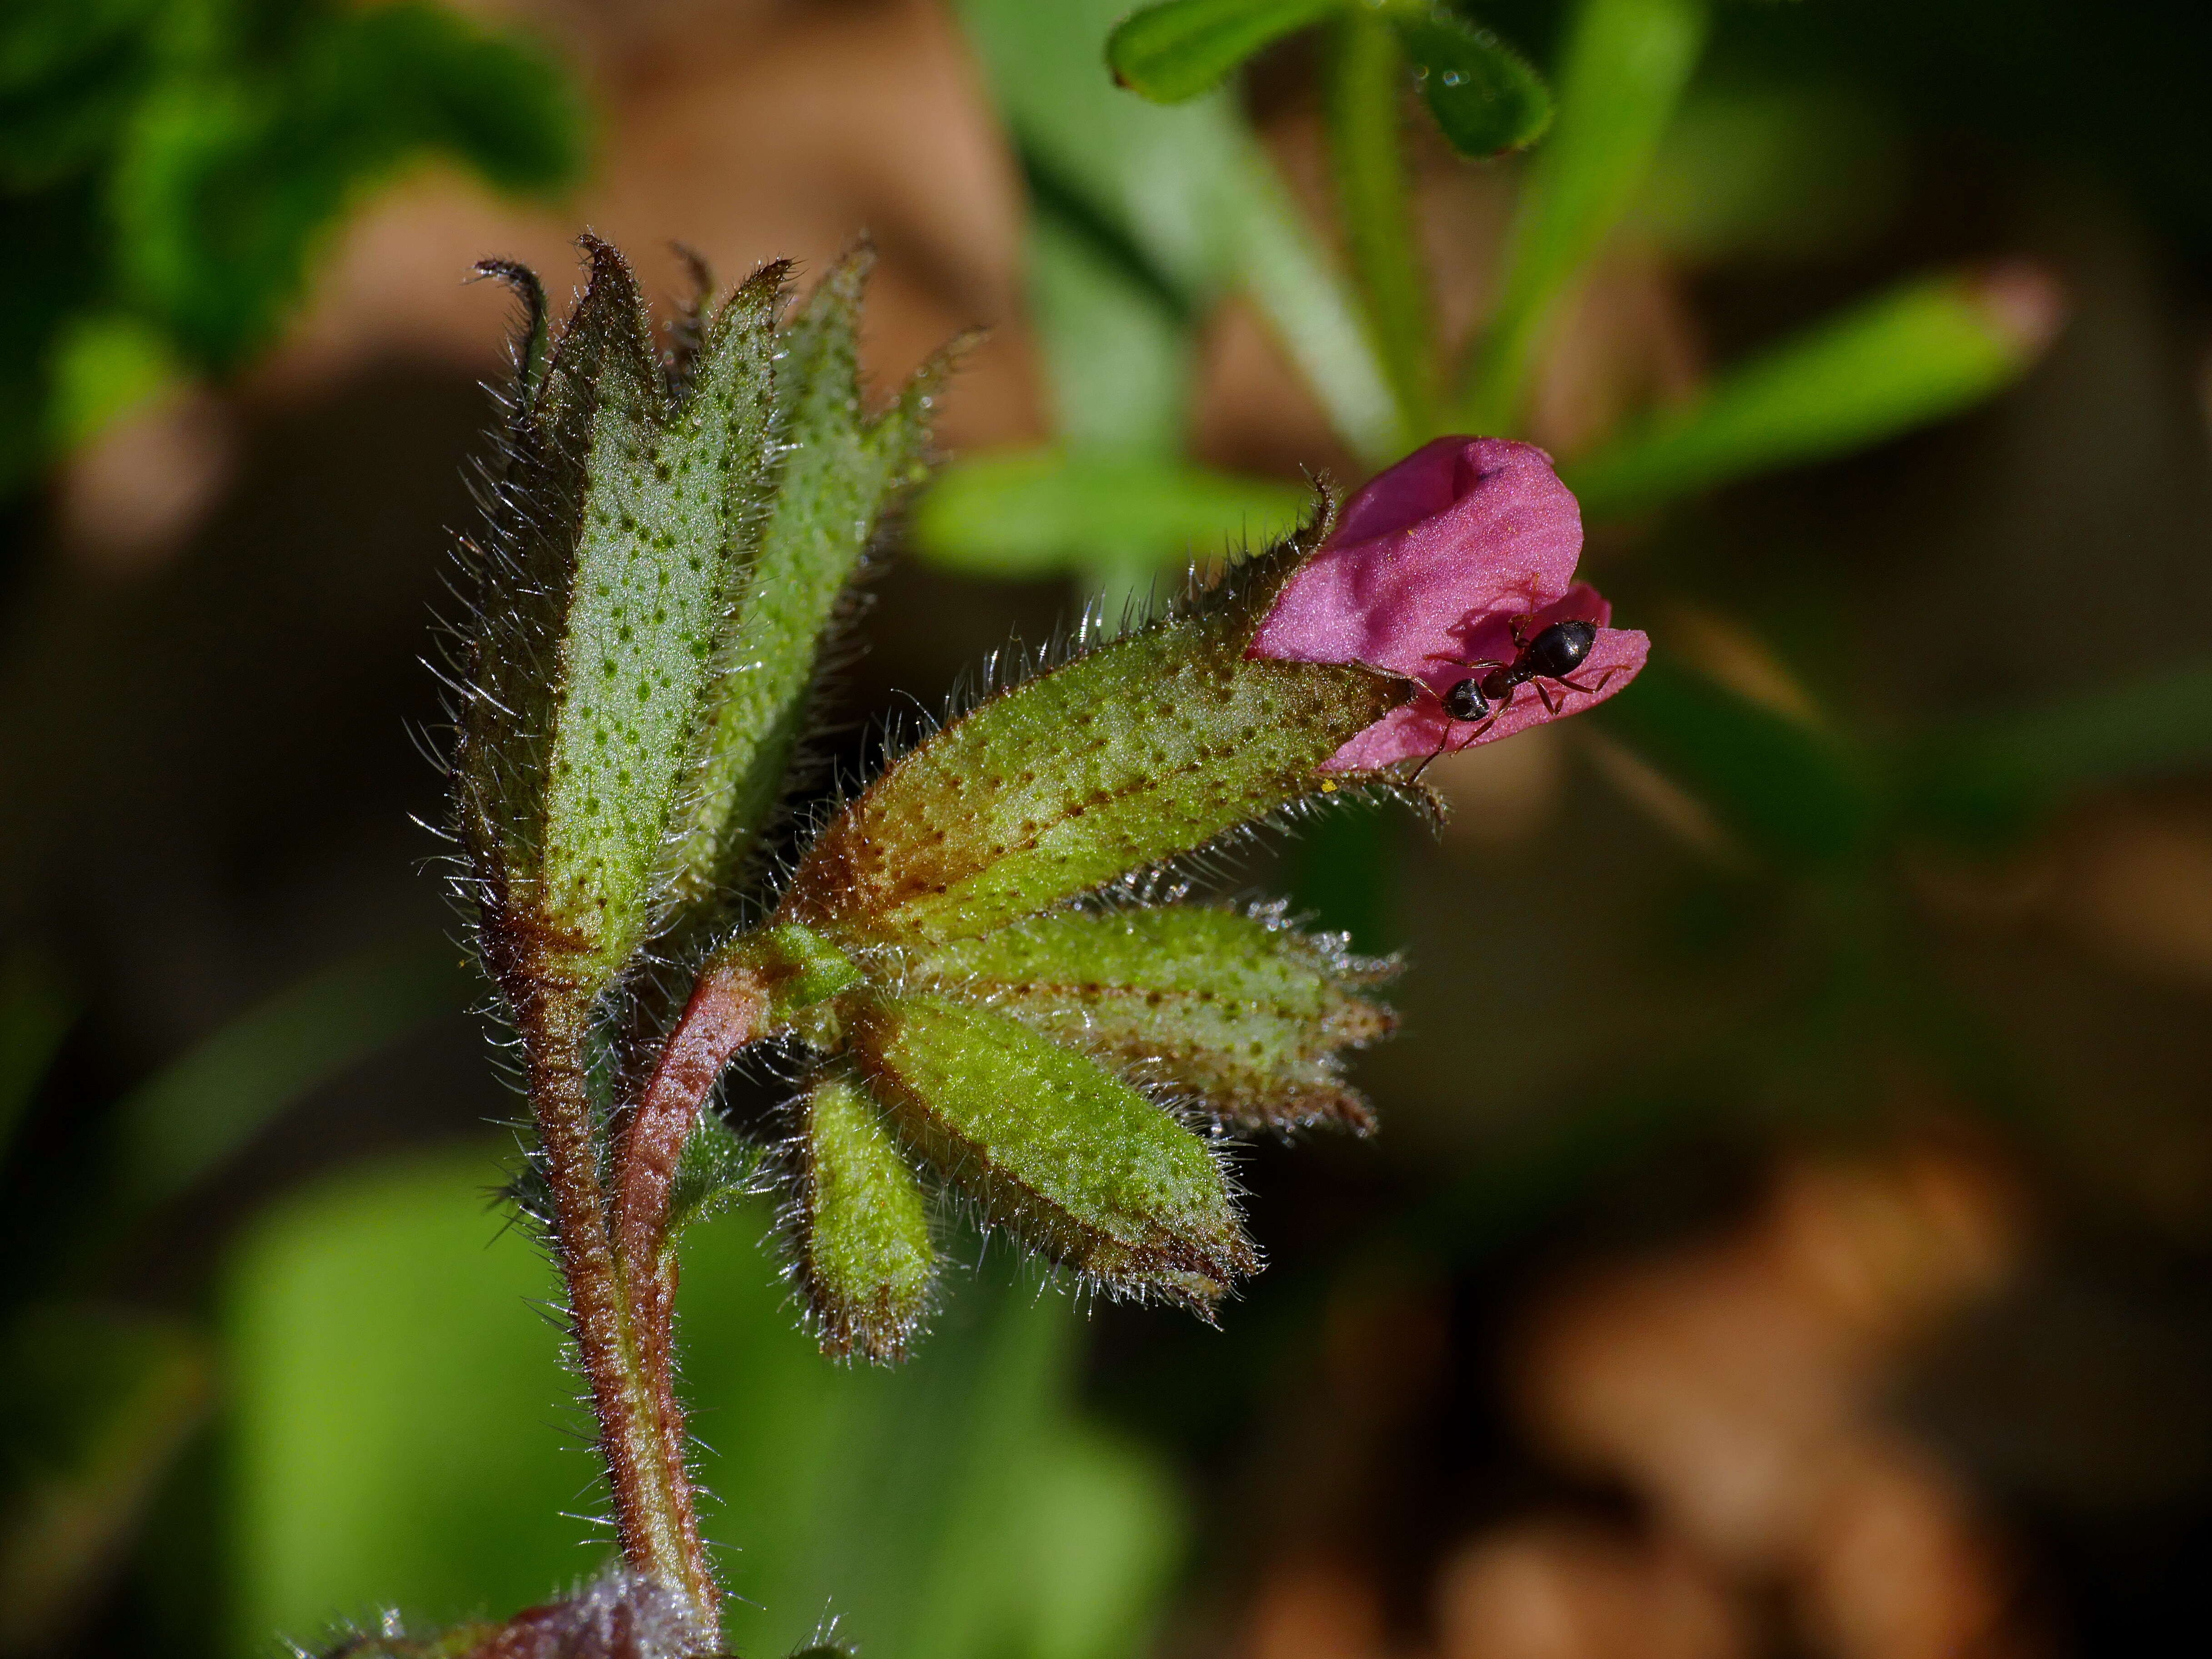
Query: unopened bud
x=865, y=1253
x=1242, y=1014
x=1144, y=748
x=1072, y=1158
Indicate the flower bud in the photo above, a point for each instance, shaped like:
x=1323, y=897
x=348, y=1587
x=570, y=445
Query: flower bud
x=865, y=1259
x=1143, y=749
x=1443, y=568
x=1242, y=1014
x=1073, y=1159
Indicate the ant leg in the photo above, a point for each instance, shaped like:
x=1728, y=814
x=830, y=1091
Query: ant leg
x=1545, y=696
x=1433, y=753
x=1598, y=689
x=1446, y=744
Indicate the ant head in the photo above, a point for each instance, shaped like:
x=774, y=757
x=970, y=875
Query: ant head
x=1466, y=702
x=1559, y=649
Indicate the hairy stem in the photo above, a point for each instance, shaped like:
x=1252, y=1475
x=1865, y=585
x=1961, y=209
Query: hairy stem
x=633, y=1391
x=727, y=1010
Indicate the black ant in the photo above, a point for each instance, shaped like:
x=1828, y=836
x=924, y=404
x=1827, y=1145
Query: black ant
x=1555, y=654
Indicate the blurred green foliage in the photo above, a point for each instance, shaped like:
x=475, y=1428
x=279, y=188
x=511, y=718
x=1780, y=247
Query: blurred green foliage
x=101, y=1399
x=1484, y=97
x=390, y=1444
x=168, y=168
x=1124, y=269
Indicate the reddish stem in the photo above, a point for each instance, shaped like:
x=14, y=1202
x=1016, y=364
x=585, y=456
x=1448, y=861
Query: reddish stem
x=631, y=1388
x=727, y=1009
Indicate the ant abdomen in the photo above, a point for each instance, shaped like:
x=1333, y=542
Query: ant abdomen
x=1557, y=650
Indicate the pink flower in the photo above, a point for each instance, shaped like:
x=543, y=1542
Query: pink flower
x=1442, y=569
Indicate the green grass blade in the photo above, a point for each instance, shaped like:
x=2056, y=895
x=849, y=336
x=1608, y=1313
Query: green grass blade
x=1281, y=265
x=1038, y=512
x=1917, y=354
x=178, y=1126
x=1625, y=64
x=1366, y=70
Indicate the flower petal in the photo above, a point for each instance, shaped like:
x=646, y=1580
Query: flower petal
x=1422, y=728
x=1461, y=531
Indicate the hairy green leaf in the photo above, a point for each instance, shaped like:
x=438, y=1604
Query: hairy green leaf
x=719, y=1168
x=1074, y=1160
x=865, y=1252
x=841, y=473
x=623, y=531
x=1183, y=48
x=1484, y=96
x=1244, y=1013
x=671, y=517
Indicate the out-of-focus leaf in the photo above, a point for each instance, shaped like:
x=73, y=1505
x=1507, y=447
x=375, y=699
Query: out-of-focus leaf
x=105, y=366
x=1625, y=63
x=225, y=178
x=1772, y=172
x=1116, y=349
x=1178, y=49
x=1030, y=513
x=719, y=1168
x=1992, y=779
x=1364, y=71
x=393, y=1405
x=1915, y=355
x=398, y=1437
x=97, y=1404
x=1155, y=172
x=177, y=164
x=1194, y=192
x=34, y=1016
x=1290, y=278
x=1484, y=96
x=1106, y=1537
x=68, y=73
x=1792, y=792
x=178, y=1125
